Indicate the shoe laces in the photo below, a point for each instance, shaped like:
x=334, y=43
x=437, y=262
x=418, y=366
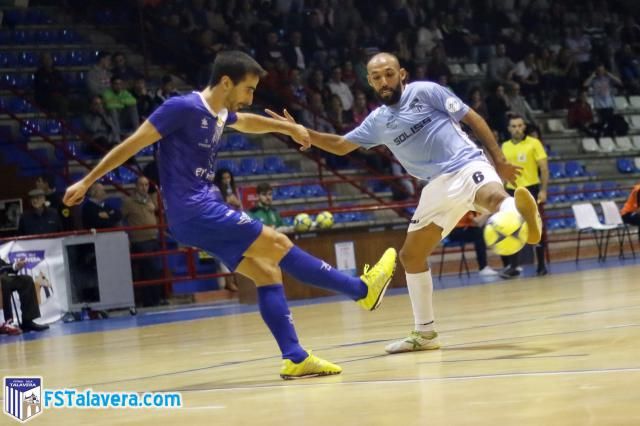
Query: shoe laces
x=366, y=268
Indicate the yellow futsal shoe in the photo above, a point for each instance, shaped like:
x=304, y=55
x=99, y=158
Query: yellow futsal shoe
x=311, y=366
x=528, y=208
x=377, y=279
x=417, y=341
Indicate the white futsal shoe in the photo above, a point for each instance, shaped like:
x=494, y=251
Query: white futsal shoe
x=416, y=341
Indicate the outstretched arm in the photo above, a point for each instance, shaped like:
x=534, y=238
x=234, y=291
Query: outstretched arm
x=144, y=136
x=253, y=123
x=481, y=129
x=335, y=144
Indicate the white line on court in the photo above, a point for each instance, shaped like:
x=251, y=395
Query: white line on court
x=425, y=379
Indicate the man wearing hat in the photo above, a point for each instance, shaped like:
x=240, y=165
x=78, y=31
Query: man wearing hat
x=41, y=219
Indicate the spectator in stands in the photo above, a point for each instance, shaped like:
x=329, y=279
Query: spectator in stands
x=96, y=214
x=315, y=117
x=144, y=100
x=342, y=120
x=122, y=105
x=123, y=71
x=497, y=109
x=528, y=153
x=631, y=211
x=427, y=38
x=602, y=84
x=99, y=76
x=338, y=87
x=54, y=200
x=237, y=43
x=226, y=183
x=499, y=65
x=360, y=108
x=263, y=210
x=140, y=209
x=629, y=33
x=10, y=281
x=317, y=85
x=167, y=90
x=102, y=128
x=271, y=51
x=50, y=90
x=41, y=219
x=629, y=67
x=438, y=66
x=469, y=230
x=477, y=102
x=579, y=45
x=294, y=53
x=518, y=105
x=316, y=38
x=580, y=116
x=525, y=73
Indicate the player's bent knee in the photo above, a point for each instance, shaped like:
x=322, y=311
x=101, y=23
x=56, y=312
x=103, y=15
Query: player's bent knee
x=410, y=259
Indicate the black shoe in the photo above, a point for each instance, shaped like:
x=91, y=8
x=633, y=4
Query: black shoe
x=509, y=272
x=542, y=271
x=32, y=326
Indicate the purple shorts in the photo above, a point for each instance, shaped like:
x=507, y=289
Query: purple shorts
x=221, y=231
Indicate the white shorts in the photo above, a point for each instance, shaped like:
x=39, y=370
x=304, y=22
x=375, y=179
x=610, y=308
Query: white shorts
x=447, y=198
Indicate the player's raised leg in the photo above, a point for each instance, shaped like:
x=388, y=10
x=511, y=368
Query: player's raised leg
x=415, y=251
x=296, y=362
x=493, y=197
x=368, y=290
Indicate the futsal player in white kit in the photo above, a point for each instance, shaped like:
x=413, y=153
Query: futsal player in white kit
x=419, y=123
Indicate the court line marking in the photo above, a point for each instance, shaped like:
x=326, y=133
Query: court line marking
x=418, y=380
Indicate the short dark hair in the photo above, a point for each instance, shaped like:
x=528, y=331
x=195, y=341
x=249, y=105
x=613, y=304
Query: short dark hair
x=235, y=65
x=101, y=55
x=263, y=187
x=516, y=117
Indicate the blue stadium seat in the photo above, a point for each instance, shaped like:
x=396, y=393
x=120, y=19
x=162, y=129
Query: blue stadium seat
x=555, y=195
x=52, y=127
x=274, y=164
x=250, y=166
x=227, y=164
x=126, y=175
x=592, y=191
x=237, y=142
x=30, y=127
x=574, y=169
x=573, y=193
x=610, y=189
x=625, y=165
x=556, y=170
x=28, y=59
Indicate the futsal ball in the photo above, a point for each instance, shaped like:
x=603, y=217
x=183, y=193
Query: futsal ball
x=302, y=222
x=324, y=220
x=506, y=233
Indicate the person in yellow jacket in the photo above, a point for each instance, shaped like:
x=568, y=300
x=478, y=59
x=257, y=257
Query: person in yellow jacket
x=631, y=211
x=121, y=104
x=528, y=153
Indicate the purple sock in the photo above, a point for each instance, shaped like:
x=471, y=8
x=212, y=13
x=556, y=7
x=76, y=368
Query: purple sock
x=319, y=273
x=276, y=314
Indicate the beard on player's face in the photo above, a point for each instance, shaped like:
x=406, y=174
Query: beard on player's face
x=389, y=95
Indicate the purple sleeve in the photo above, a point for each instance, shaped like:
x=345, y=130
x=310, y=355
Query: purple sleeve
x=444, y=100
x=169, y=116
x=232, y=118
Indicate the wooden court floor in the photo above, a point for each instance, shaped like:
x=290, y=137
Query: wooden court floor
x=559, y=350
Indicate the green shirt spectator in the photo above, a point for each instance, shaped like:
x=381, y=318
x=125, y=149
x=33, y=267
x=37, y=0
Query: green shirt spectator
x=264, y=211
x=117, y=97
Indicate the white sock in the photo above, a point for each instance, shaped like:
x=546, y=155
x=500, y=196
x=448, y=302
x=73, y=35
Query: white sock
x=420, y=287
x=508, y=203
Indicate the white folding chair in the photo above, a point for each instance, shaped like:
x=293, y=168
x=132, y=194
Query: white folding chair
x=607, y=145
x=587, y=221
x=612, y=217
x=634, y=101
x=472, y=69
x=636, y=142
x=620, y=103
x=556, y=125
x=635, y=122
x=624, y=143
x=456, y=69
x=590, y=145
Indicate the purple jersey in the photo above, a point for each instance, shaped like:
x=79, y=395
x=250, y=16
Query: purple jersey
x=187, y=154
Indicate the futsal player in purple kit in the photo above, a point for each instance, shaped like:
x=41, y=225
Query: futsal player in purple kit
x=188, y=130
